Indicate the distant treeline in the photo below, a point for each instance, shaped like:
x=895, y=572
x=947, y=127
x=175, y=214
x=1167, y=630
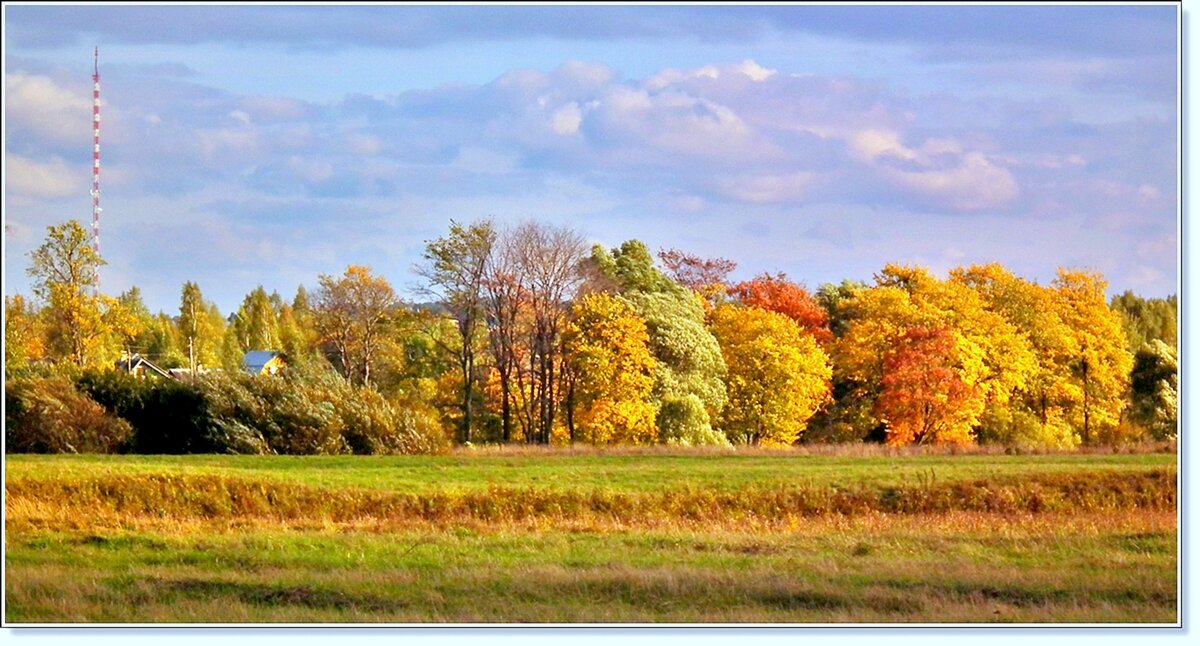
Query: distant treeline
x=532, y=337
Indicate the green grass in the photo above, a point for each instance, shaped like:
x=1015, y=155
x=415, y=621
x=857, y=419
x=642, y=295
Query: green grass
x=683, y=537
x=629, y=473
x=950, y=569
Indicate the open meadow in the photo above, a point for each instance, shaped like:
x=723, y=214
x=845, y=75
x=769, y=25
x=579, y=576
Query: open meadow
x=595, y=537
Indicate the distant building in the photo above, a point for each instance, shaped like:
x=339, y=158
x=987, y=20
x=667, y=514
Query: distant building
x=140, y=366
x=184, y=374
x=263, y=362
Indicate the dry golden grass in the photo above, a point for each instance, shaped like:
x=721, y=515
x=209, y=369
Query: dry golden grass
x=1082, y=546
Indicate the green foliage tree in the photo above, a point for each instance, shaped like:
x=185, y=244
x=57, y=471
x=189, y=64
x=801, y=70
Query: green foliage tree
x=256, y=323
x=1154, y=384
x=1147, y=319
x=454, y=271
x=689, y=361
x=202, y=329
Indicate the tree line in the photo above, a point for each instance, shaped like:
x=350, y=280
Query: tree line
x=529, y=335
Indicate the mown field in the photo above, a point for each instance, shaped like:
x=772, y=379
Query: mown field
x=595, y=537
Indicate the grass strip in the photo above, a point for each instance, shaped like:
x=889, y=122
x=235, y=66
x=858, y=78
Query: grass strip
x=217, y=497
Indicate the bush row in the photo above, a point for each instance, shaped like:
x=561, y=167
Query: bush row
x=113, y=412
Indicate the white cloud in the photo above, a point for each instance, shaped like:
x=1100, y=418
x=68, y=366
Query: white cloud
x=769, y=189
x=748, y=69
x=1148, y=192
x=755, y=71
x=53, y=179
x=566, y=120
x=48, y=109
x=872, y=143
x=973, y=185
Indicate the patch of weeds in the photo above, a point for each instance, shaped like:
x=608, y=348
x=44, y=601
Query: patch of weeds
x=1144, y=543
x=803, y=600
x=262, y=594
x=119, y=542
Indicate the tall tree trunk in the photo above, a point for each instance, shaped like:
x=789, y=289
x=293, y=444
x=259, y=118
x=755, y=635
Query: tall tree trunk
x=1087, y=432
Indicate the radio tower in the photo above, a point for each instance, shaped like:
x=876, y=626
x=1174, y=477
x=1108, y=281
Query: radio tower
x=96, y=159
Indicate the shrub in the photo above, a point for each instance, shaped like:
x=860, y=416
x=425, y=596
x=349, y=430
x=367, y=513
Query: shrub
x=167, y=416
x=1018, y=428
x=237, y=416
x=48, y=415
x=684, y=421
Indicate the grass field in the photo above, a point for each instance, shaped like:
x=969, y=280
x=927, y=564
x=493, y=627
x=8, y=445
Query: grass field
x=770, y=537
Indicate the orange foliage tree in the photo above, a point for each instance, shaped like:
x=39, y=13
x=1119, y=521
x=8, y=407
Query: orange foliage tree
x=775, y=293
x=924, y=398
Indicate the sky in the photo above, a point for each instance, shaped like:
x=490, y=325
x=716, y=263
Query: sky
x=271, y=144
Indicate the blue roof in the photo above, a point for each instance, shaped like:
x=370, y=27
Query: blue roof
x=256, y=359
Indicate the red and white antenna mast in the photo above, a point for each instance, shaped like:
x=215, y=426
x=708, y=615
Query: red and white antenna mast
x=96, y=155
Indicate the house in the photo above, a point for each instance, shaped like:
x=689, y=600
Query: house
x=262, y=362
x=140, y=366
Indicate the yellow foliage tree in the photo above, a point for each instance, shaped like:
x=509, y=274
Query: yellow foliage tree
x=1100, y=362
x=990, y=356
x=608, y=350
x=24, y=336
x=777, y=375
x=1035, y=414
x=65, y=273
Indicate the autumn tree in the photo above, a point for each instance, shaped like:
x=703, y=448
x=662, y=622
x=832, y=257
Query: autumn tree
x=705, y=276
x=777, y=375
x=992, y=356
x=1100, y=361
x=129, y=321
x=201, y=328
x=775, y=293
x=454, y=271
x=690, y=369
x=65, y=274
x=924, y=399
x=1035, y=413
x=609, y=355
x=24, y=337
x=546, y=261
x=504, y=300
x=351, y=312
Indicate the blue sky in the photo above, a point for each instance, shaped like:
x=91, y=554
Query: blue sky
x=271, y=144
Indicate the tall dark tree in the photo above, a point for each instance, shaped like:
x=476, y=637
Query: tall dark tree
x=454, y=271
x=547, y=261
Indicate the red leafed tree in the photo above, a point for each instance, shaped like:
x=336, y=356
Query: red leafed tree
x=924, y=399
x=694, y=272
x=782, y=296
